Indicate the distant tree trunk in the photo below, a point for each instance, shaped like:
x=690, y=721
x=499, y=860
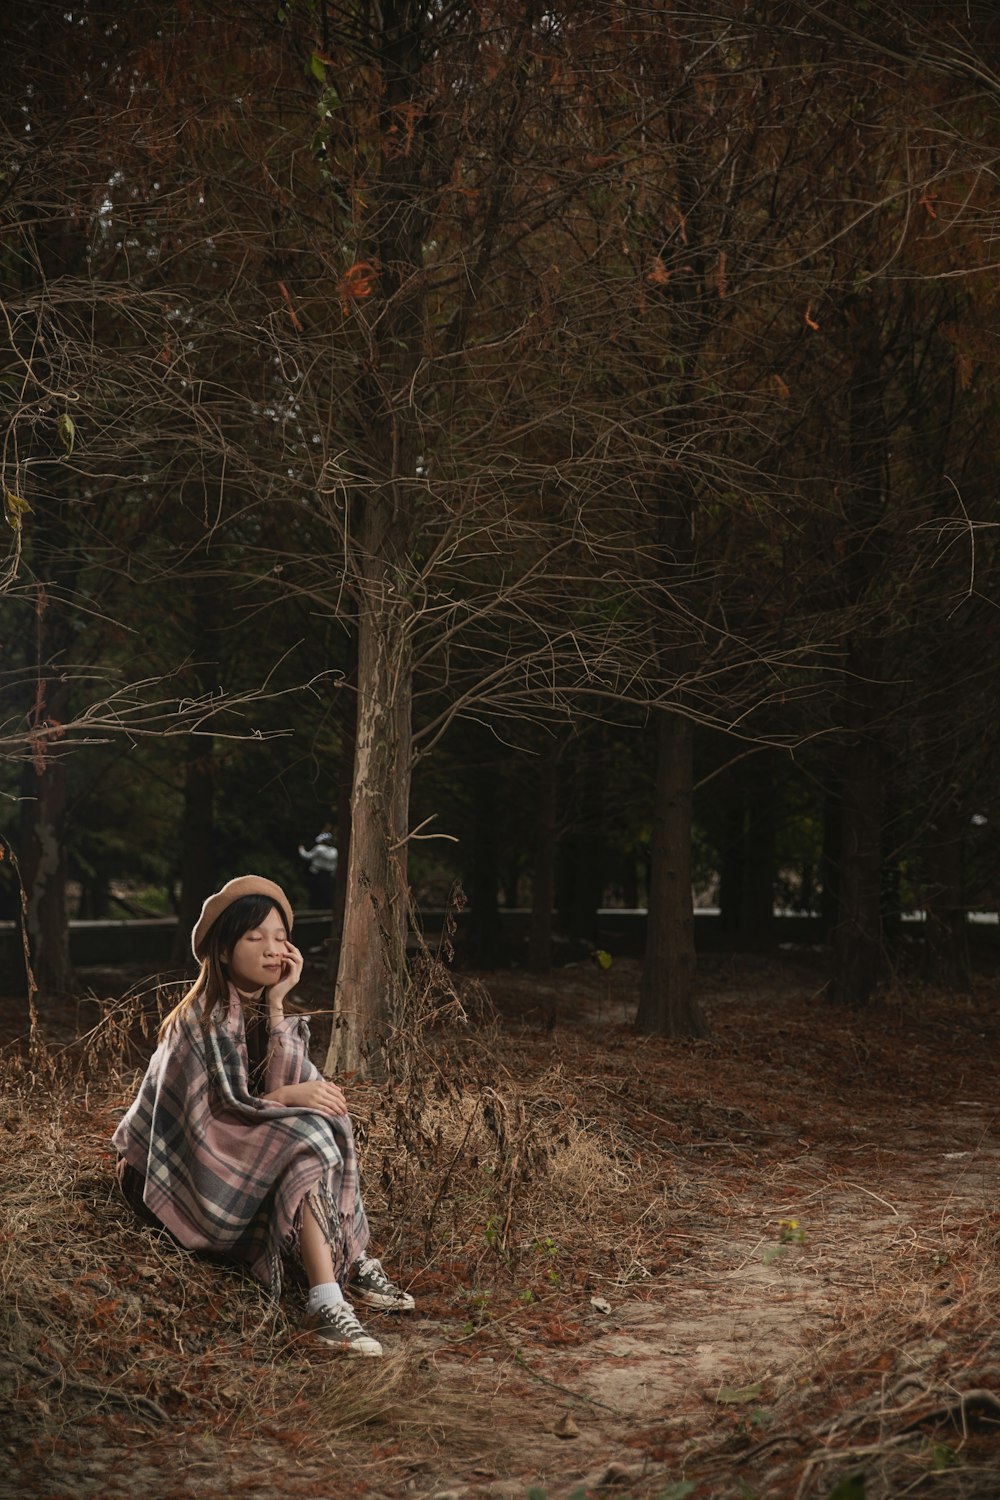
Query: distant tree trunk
x=667, y=1002
x=746, y=879
x=56, y=557
x=731, y=859
x=196, y=866
x=581, y=854
x=858, y=949
x=829, y=863
x=43, y=853
x=630, y=881
x=95, y=897
x=543, y=884
x=946, y=932
x=196, y=861
x=757, y=895
x=484, y=875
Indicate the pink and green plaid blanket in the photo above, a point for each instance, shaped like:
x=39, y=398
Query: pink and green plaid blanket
x=227, y=1172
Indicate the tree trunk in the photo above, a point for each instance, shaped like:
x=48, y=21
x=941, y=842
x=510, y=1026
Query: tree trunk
x=829, y=862
x=196, y=863
x=667, y=1002
x=582, y=883
x=371, y=973
x=757, y=895
x=946, y=932
x=746, y=883
x=43, y=853
x=344, y=783
x=56, y=560
x=197, y=852
x=484, y=873
x=731, y=860
x=543, y=883
x=582, y=853
x=858, y=949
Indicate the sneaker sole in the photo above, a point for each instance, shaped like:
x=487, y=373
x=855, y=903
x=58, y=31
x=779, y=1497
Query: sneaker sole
x=316, y=1341
x=383, y=1304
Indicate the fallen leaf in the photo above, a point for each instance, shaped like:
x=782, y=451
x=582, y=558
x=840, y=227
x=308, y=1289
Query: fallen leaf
x=566, y=1428
x=601, y=1304
x=738, y=1395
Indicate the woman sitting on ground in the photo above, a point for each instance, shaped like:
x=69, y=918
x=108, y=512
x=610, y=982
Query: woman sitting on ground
x=236, y=1144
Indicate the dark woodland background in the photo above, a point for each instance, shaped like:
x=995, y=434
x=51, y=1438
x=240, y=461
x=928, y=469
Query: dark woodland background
x=599, y=400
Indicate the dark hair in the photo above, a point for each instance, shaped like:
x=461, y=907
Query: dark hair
x=212, y=984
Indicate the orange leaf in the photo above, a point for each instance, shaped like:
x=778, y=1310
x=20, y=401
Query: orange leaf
x=808, y=319
x=357, y=282
x=658, y=275
x=926, y=202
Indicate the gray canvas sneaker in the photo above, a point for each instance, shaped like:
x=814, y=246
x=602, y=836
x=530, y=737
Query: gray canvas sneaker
x=336, y=1327
x=369, y=1284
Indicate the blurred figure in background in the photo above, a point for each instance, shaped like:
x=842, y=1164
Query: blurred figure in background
x=322, y=858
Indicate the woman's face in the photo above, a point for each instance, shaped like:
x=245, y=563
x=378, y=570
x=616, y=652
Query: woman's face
x=260, y=956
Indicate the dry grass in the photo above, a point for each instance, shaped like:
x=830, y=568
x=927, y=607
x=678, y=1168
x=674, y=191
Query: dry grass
x=99, y=1313
x=102, y=1319
x=512, y=1171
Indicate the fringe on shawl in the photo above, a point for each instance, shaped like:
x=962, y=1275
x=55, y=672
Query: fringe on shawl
x=333, y=1226
x=222, y=1063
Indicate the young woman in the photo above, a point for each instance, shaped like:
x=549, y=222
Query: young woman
x=236, y=1144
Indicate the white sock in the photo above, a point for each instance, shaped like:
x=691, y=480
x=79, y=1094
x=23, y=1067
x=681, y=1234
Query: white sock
x=326, y=1294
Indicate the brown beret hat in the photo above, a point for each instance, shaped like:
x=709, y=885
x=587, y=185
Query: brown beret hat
x=243, y=885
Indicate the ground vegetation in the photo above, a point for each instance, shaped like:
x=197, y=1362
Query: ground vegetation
x=758, y=1264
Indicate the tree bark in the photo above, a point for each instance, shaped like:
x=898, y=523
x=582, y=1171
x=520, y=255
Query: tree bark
x=43, y=853
x=344, y=785
x=56, y=560
x=543, y=883
x=946, y=932
x=484, y=873
x=858, y=948
x=829, y=863
x=667, y=1002
x=731, y=860
x=371, y=973
x=757, y=895
x=196, y=863
x=196, y=866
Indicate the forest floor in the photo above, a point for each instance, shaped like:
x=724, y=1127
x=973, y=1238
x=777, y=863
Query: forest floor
x=766, y=1264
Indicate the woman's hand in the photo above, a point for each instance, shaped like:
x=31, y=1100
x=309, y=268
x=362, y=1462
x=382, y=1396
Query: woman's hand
x=318, y=1093
x=291, y=973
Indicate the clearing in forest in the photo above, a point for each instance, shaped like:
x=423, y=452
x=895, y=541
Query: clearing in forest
x=761, y=1265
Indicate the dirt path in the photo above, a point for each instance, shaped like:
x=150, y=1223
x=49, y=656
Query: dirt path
x=729, y=1341
x=787, y=1276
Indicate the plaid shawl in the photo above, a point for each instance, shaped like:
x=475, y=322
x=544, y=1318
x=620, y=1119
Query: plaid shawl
x=229, y=1173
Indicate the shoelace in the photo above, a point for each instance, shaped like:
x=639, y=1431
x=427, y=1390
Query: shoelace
x=371, y=1270
x=340, y=1316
